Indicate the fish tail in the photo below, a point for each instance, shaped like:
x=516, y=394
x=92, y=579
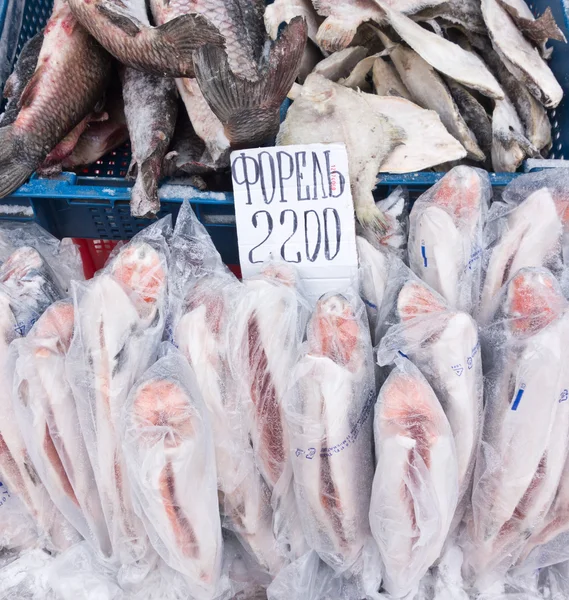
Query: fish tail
x=144, y=201
x=249, y=110
x=13, y=172
x=372, y=217
x=188, y=32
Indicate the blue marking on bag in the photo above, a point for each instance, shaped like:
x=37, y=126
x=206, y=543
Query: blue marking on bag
x=564, y=395
x=518, y=399
x=401, y=353
x=370, y=304
x=424, y=254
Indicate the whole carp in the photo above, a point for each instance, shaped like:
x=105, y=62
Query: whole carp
x=60, y=93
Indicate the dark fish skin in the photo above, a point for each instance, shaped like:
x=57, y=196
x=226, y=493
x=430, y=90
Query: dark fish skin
x=249, y=110
x=165, y=50
x=151, y=108
x=72, y=71
x=23, y=71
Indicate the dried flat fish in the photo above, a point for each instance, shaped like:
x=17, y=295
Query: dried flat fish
x=465, y=13
x=532, y=113
x=341, y=64
x=519, y=56
x=386, y=80
x=358, y=77
x=473, y=113
x=509, y=145
x=429, y=91
x=284, y=11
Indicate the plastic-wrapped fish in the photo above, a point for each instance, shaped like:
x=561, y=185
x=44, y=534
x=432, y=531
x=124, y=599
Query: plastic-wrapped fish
x=415, y=487
x=202, y=294
x=169, y=449
x=526, y=422
x=48, y=420
x=328, y=414
x=444, y=345
x=445, y=237
x=119, y=322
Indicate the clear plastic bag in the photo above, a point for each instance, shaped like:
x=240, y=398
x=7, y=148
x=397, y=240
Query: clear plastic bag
x=445, y=235
x=525, y=436
x=49, y=424
x=264, y=335
x=415, y=486
x=202, y=294
x=524, y=229
x=443, y=344
x=119, y=323
x=170, y=456
x=328, y=414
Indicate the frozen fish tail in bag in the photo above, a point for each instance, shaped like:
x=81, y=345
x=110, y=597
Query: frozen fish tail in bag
x=170, y=455
x=119, y=323
x=47, y=415
x=328, y=413
x=445, y=236
x=526, y=422
x=444, y=345
x=202, y=293
x=415, y=486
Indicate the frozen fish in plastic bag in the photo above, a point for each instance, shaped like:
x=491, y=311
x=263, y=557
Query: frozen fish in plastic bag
x=328, y=414
x=170, y=456
x=524, y=229
x=525, y=436
x=47, y=417
x=415, y=487
x=396, y=210
x=202, y=294
x=17, y=528
x=119, y=323
x=264, y=333
x=445, y=235
x=62, y=255
x=444, y=345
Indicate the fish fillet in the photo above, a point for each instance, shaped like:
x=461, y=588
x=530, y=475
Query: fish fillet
x=330, y=431
x=415, y=487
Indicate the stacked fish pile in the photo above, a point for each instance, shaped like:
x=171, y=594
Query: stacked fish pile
x=407, y=85
x=171, y=432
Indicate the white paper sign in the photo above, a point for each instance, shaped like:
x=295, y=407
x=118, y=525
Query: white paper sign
x=294, y=203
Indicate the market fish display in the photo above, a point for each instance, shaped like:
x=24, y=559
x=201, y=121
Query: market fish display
x=444, y=345
x=45, y=408
x=151, y=108
x=528, y=235
x=60, y=93
x=328, y=416
x=168, y=444
x=445, y=235
x=415, y=487
x=525, y=439
x=203, y=293
x=321, y=113
x=119, y=322
x=124, y=30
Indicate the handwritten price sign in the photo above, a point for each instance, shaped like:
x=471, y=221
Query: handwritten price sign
x=294, y=203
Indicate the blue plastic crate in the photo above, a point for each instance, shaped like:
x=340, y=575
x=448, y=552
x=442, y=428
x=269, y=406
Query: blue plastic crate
x=94, y=203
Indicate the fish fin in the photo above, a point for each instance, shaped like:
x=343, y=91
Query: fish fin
x=249, y=110
x=13, y=172
x=372, y=217
x=132, y=171
x=188, y=32
x=120, y=18
x=9, y=85
x=335, y=34
x=29, y=92
x=144, y=201
x=539, y=30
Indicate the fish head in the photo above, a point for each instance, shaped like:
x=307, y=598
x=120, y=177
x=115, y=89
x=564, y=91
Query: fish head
x=533, y=300
x=55, y=329
x=140, y=268
x=162, y=410
x=417, y=299
x=334, y=331
x=460, y=193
